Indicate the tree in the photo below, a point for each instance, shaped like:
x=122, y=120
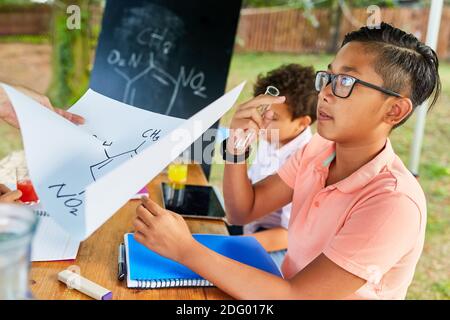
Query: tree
x=71, y=52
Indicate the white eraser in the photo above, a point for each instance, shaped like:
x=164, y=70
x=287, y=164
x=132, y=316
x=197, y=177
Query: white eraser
x=75, y=281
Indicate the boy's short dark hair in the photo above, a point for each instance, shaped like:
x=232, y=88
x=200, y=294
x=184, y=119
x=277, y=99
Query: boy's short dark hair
x=296, y=83
x=403, y=62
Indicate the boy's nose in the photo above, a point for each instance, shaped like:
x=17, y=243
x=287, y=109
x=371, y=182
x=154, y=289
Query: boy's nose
x=326, y=94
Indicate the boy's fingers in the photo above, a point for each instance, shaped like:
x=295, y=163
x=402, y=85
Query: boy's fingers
x=268, y=116
x=139, y=236
x=11, y=196
x=152, y=206
x=248, y=126
x=139, y=225
x=251, y=113
x=252, y=126
x=262, y=100
x=145, y=215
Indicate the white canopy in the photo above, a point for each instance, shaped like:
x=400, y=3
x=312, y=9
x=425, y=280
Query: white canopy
x=434, y=22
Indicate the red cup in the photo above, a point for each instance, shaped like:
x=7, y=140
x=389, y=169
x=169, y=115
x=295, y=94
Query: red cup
x=25, y=186
x=28, y=193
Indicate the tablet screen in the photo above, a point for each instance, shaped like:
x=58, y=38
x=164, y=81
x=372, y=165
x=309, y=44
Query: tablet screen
x=201, y=201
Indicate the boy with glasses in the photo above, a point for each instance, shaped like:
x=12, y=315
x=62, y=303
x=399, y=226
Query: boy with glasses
x=358, y=217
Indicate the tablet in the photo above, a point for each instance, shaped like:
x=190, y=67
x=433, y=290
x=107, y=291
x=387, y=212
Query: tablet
x=193, y=201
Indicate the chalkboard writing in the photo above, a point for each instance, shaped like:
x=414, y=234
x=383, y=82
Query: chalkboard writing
x=166, y=56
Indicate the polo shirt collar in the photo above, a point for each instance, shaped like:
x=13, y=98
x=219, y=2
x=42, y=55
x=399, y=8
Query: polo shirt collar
x=363, y=175
x=293, y=145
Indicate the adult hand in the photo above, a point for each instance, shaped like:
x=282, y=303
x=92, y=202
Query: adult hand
x=8, y=114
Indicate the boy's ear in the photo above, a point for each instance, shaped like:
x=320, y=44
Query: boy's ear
x=303, y=122
x=398, y=110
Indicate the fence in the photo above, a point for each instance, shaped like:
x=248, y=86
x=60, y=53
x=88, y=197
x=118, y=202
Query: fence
x=268, y=30
x=288, y=30
x=34, y=19
x=28, y=20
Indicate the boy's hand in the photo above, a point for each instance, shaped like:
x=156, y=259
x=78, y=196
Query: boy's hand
x=8, y=196
x=162, y=231
x=8, y=114
x=248, y=118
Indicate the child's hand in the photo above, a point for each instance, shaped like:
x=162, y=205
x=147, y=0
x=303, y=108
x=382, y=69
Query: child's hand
x=162, y=231
x=8, y=196
x=248, y=118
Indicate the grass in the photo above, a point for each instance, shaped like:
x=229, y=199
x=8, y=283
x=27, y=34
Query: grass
x=432, y=277
x=30, y=39
x=10, y=139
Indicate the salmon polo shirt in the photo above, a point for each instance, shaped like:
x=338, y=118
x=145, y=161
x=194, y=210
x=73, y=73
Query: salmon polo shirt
x=372, y=223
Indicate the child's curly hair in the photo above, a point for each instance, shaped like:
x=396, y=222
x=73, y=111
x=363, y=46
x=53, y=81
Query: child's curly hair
x=296, y=83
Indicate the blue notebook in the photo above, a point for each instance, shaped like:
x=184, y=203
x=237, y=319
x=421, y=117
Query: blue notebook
x=147, y=269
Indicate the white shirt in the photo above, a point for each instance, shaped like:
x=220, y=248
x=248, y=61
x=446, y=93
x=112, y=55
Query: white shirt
x=267, y=162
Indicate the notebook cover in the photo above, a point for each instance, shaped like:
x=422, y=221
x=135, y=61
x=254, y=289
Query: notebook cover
x=144, y=264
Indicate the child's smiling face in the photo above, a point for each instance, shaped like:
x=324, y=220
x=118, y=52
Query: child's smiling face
x=361, y=116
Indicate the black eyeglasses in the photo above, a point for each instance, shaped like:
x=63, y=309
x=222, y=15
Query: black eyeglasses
x=342, y=84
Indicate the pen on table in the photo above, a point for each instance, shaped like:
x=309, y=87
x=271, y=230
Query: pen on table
x=121, y=263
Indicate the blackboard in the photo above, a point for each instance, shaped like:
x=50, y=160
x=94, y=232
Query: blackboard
x=166, y=56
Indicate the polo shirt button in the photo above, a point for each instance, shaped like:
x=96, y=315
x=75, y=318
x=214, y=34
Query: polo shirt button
x=316, y=203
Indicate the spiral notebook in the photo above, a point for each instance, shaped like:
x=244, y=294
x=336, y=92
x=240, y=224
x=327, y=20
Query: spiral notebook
x=148, y=270
x=50, y=241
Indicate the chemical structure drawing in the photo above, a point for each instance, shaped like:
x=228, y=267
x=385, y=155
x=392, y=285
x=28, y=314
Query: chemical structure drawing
x=155, y=40
x=73, y=201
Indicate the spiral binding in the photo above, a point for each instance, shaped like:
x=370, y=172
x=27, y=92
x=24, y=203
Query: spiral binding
x=41, y=213
x=168, y=283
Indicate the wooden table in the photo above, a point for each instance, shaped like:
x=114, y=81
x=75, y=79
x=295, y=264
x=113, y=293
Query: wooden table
x=97, y=257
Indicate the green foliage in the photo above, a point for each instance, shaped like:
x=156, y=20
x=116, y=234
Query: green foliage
x=306, y=4
x=263, y=3
x=366, y=3
x=443, y=289
x=60, y=92
x=15, y=2
x=435, y=171
x=70, y=57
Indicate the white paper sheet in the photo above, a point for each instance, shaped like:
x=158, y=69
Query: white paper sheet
x=84, y=174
